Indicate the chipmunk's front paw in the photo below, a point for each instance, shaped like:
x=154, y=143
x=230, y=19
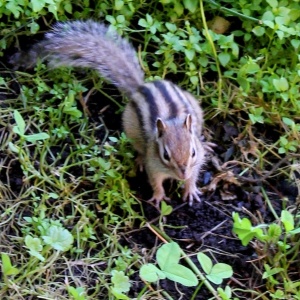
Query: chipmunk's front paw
x=192, y=194
x=157, y=198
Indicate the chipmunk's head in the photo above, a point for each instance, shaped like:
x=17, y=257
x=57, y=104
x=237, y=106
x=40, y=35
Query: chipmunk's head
x=179, y=148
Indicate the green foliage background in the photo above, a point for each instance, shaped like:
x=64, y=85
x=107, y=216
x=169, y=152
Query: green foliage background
x=251, y=72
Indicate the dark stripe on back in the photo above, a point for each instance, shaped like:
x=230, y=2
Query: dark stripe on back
x=161, y=86
x=153, y=109
x=184, y=100
x=140, y=118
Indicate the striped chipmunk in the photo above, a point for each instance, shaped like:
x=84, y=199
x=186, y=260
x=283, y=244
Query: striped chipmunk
x=163, y=121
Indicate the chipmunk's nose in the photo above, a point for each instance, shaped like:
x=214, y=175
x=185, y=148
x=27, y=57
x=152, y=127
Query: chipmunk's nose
x=182, y=173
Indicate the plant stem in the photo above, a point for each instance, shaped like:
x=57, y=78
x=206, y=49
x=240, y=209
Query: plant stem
x=233, y=12
x=210, y=41
x=269, y=203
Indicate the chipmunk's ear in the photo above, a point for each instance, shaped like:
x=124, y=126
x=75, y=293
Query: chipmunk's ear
x=188, y=122
x=161, y=127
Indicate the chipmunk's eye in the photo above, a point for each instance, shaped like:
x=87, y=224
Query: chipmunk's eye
x=193, y=153
x=166, y=155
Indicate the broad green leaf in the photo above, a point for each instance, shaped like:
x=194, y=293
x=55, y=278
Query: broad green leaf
x=271, y=271
x=288, y=121
x=58, y=238
x=119, y=4
x=37, y=5
x=273, y=3
x=244, y=83
x=143, y=23
x=37, y=137
x=7, y=268
x=165, y=209
x=287, y=220
x=168, y=254
x=205, y=262
x=120, y=281
x=77, y=294
x=295, y=43
x=224, y=58
x=191, y=5
x=219, y=272
x=118, y=295
x=295, y=231
x=274, y=231
x=20, y=122
x=189, y=53
x=36, y=254
x=151, y=273
x=33, y=243
x=258, y=30
x=225, y=294
x=281, y=84
x=181, y=274
x=268, y=16
x=269, y=24
x=243, y=228
x=13, y=148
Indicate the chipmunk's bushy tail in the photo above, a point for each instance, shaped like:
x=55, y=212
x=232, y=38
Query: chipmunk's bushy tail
x=93, y=45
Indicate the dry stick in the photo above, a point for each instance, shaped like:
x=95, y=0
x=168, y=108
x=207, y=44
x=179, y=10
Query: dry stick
x=263, y=178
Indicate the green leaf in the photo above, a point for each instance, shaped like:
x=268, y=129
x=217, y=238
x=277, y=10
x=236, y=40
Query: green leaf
x=274, y=231
x=13, y=148
x=273, y=3
x=288, y=220
x=33, y=243
x=225, y=294
x=37, y=5
x=244, y=83
x=205, y=262
x=219, y=272
x=37, y=137
x=165, y=209
x=77, y=294
x=20, y=123
x=7, y=268
x=119, y=4
x=270, y=271
x=295, y=231
x=295, y=43
x=288, y=121
x=143, y=23
x=120, y=281
x=258, y=30
x=224, y=58
x=151, y=273
x=189, y=53
x=269, y=24
x=244, y=230
x=191, y=5
x=181, y=274
x=168, y=254
x=35, y=247
x=281, y=84
x=58, y=238
x=119, y=296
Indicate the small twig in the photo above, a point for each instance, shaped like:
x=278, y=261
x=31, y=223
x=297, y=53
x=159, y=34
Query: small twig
x=233, y=12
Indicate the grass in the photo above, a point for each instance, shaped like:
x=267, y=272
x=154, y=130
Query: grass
x=67, y=210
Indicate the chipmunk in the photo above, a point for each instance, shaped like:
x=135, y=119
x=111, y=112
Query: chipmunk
x=163, y=121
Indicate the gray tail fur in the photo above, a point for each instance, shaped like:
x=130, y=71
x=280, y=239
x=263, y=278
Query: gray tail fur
x=93, y=45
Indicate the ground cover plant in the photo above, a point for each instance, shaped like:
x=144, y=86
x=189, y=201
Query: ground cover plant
x=74, y=220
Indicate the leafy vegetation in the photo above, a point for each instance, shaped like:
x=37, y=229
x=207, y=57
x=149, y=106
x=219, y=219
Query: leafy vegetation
x=65, y=200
